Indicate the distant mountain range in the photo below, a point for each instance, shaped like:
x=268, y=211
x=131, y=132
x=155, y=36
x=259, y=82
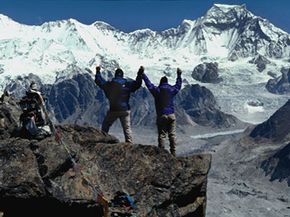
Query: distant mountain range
x=248, y=50
x=225, y=31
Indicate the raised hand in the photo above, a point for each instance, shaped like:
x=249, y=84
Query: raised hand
x=141, y=71
x=179, y=72
x=98, y=69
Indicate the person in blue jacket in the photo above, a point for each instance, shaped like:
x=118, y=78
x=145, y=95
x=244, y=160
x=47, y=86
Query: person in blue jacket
x=164, y=96
x=118, y=92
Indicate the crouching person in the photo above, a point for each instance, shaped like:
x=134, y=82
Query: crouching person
x=34, y=118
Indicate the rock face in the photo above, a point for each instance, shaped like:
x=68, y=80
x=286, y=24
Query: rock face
x=9, y=117
x=260, y=61
x=277, y=127
x=277, y=166
x=20, y=85
x=281, y=84
x=40, y=176
x=79, y=101
x=73, y=96
x=199, y=103
x=206, y=73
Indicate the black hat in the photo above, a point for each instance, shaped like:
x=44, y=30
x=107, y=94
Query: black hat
x=119, y=73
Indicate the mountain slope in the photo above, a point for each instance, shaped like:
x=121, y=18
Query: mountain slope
x=225, y=32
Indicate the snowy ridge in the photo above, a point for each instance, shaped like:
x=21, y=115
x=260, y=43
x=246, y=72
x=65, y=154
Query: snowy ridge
x=225, y=32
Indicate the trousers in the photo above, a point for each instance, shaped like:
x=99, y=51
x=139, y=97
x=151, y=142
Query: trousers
x=124, y=117
x=166, y=125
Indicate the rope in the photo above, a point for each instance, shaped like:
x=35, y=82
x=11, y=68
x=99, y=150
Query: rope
x=97, y=193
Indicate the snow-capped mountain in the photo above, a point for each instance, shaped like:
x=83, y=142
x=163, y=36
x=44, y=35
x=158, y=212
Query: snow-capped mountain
x=228, y=34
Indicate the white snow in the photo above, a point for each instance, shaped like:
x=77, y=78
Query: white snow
x=223, y=6
x=223, y=133
x=254, y=109
x=52, y=47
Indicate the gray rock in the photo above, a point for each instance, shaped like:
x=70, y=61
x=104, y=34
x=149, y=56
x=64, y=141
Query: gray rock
x=9, y=117
x=20, y=85
x=277, y=166
x=45, y=175
x=199, y=103
x=206, y=72
x=276, y=128
x=71, y=96
x=281, y=84
x=253, y=38
x=260, y=61
x=79, y=101
x=160, y=183
x=272, y=74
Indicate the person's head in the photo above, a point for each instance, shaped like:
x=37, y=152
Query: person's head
x=119, y=73
x=33, y=86
x=163, y=80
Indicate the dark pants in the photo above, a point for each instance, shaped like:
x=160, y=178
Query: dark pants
x=166, y=125
x=124, y=117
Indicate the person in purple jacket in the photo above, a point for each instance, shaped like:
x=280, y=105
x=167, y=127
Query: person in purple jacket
x=164, y=96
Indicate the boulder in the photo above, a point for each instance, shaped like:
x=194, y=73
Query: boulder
x=281, y=84
x=9, y=116
x=260, y=61
x=206, y=73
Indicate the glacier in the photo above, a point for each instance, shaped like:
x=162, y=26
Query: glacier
x=227, y=34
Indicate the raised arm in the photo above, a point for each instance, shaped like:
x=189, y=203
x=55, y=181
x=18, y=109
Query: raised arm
x=178, y=83
x=100, y=81
x=135, y=85
x=151, y=87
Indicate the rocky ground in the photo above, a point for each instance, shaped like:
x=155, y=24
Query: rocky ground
x=239, y=187
x=240, y=183
x=39, y=176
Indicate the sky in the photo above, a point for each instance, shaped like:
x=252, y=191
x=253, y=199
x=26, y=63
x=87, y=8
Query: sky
x=129, y=15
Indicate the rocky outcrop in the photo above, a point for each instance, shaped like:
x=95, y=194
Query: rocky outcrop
x=276, y=128
x=78, y=100
x=256, y=38
x=72, y=96
x=9, y=116
x=20, y=85
x=41, y=176
x=260, y=61
x=161, y=184
x=206, y=73
x=281, y=84
x=277, y=166
x=199, y=103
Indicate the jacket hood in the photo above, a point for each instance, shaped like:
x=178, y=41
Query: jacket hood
x=163, y=80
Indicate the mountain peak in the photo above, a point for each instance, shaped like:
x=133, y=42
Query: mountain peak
x=103, y=25
x=143, y=33
x=218, y=10
x=227, y=15
x=229, y=7
x=4, y=17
